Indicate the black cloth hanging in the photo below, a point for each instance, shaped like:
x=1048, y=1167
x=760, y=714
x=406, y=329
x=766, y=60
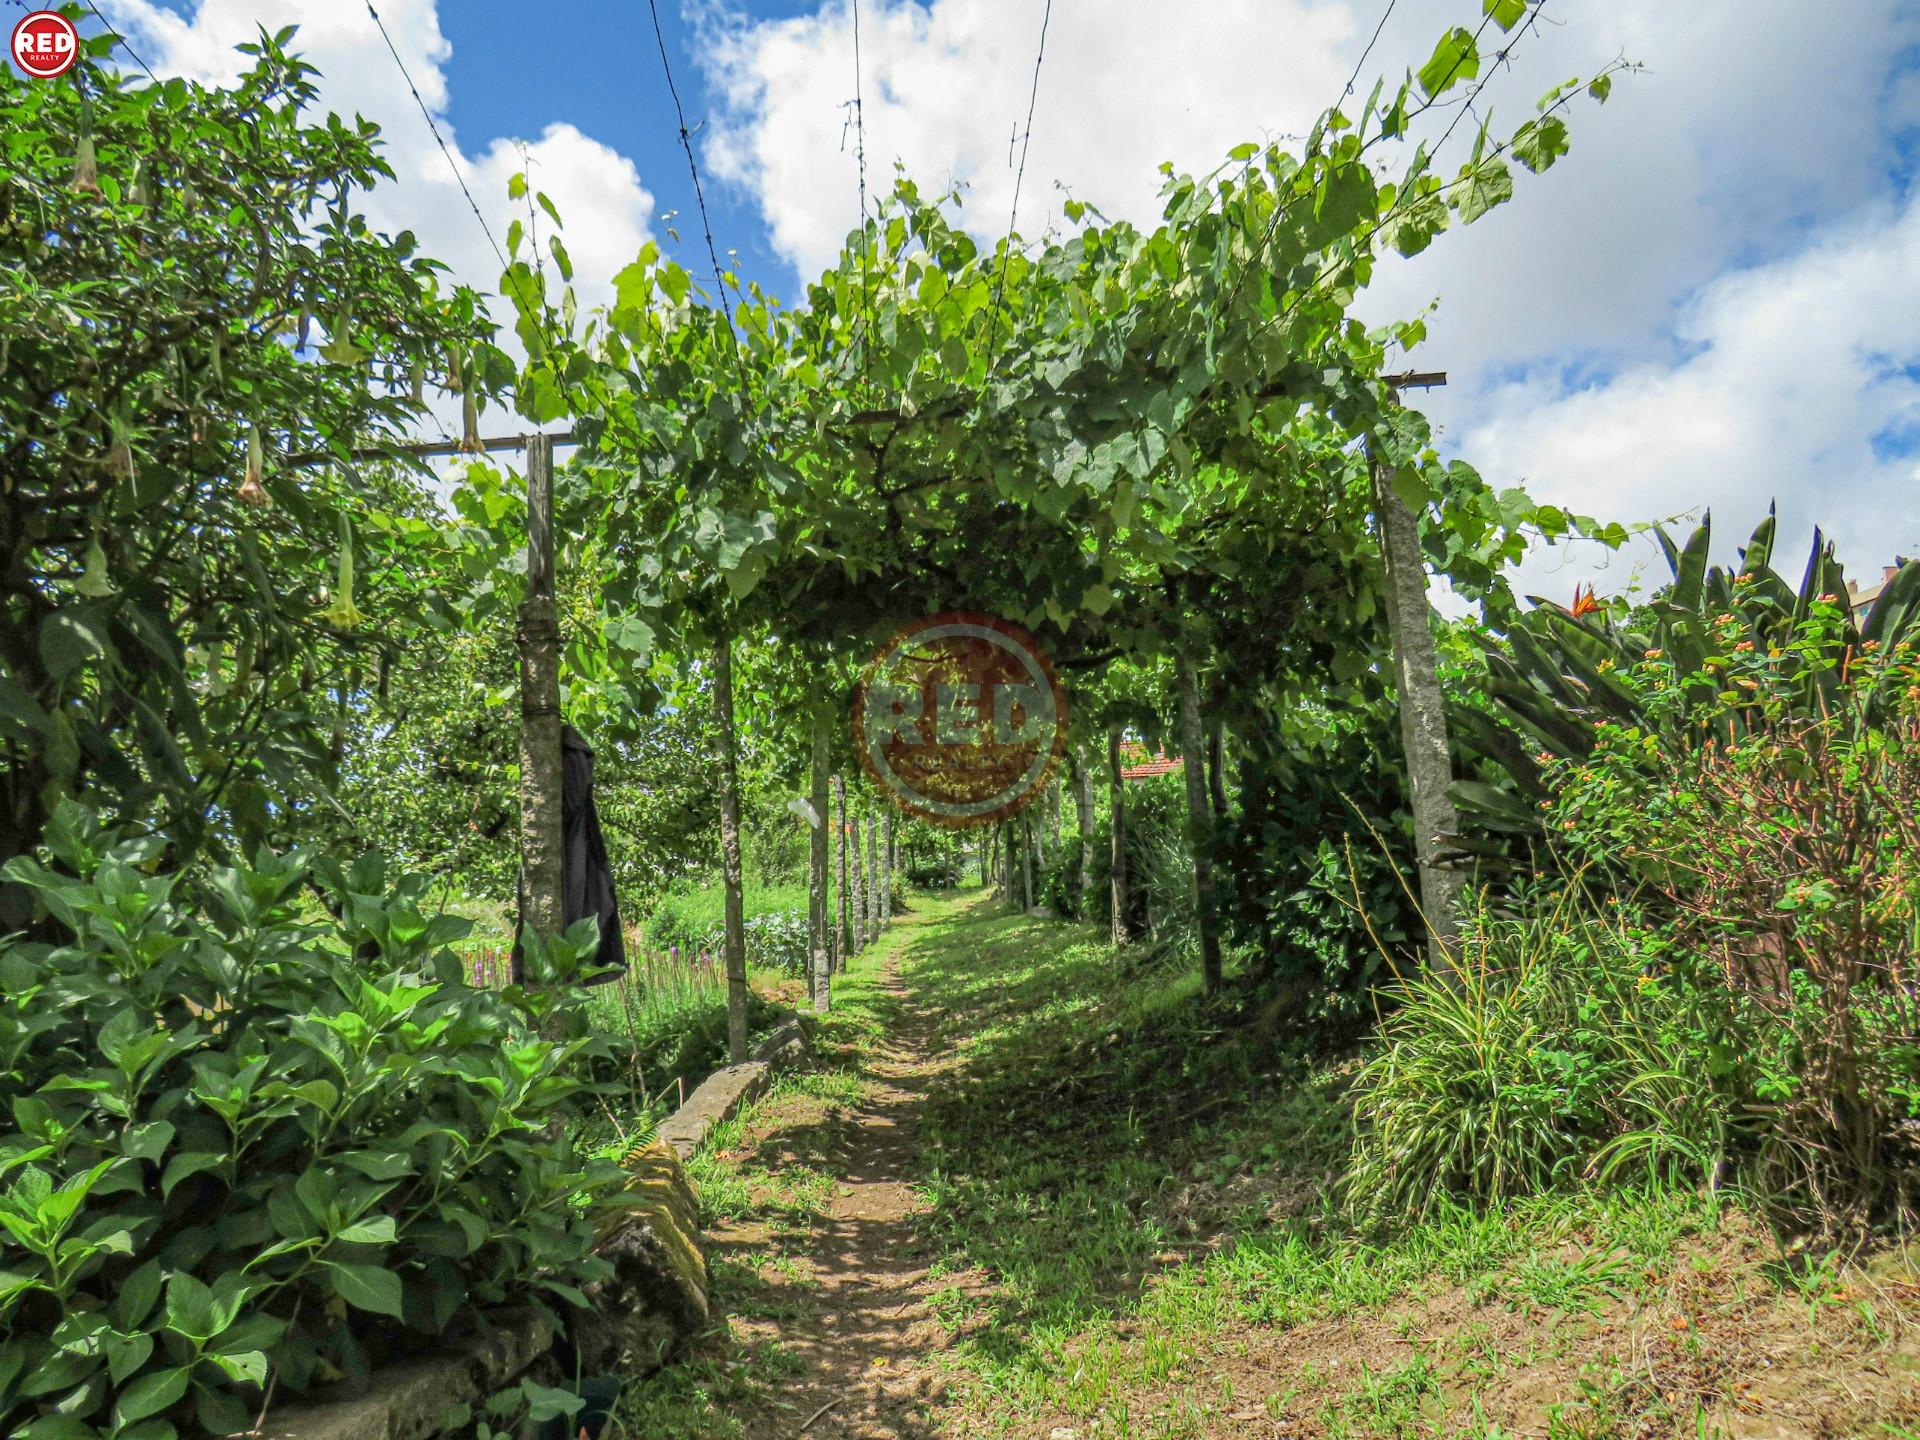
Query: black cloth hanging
x=586, y=875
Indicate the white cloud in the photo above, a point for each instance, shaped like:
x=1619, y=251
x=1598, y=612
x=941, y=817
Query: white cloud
x=1791, y=369
x=598, y=191
x=1677, y=315
x=1125, y=85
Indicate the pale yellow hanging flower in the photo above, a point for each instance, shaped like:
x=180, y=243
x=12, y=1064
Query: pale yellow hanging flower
x=343, y=614
x=470, y=426
x=340, y=349
x=86, y=170
x=216, y=669
x=252, y=492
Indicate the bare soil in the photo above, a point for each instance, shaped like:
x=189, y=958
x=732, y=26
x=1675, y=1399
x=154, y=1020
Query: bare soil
x=860, y=1277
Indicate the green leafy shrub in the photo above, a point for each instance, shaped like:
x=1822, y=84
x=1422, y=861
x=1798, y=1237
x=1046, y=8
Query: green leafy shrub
x=1308, y=888
x=693, y=920
x=1057, y=886
x=1788, y=847
x=248, y=1142
x=1562, y=1045
x=939, y=872
x=778, y=940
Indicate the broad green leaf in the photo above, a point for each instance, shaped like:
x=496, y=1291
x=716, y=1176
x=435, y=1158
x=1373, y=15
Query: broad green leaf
x=1486, y=185
x=150, y=1394
x=1454, y=59
x=377, y=1230
x=366, y=1287
x=72, y=638
x=1538, y=143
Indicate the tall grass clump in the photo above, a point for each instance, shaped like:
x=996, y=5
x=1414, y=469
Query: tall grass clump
x=666, y=1022
x=1563, y=1044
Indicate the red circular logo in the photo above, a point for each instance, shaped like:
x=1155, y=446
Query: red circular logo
x=45, y=44
x=960, y=719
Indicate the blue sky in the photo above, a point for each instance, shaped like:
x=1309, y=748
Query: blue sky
x=603, y=75
x=1710, y=302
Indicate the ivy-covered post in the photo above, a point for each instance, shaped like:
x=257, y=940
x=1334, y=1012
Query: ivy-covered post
x=843, y=932
x=537, y=636
x=886, y=870
x=1083, y=803
x=1199, y=822
x=1117, y=803
x=1423, y=715
x=734, y=936
x=819, y=950
x=859, y=892
x=873, y=879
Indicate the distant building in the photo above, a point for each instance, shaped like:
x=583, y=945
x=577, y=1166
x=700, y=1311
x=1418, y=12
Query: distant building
x=1136, y=764
x=1860, y=598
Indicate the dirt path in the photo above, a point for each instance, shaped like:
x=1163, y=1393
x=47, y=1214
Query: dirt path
x=862, y=1324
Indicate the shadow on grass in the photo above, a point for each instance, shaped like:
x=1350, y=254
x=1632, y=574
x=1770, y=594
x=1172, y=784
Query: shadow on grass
x=1106, y=1118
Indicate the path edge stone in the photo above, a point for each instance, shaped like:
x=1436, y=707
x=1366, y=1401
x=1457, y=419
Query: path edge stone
x=726, y=1092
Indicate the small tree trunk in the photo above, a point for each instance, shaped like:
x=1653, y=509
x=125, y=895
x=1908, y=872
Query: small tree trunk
x=886, y=870
x=844, y=931
x=1083, y=801
x=1053, y=813
x=1026, y=857
x=1012, y=891
x=537, y=637
x=1217, y=768
x=735, y=942
x=1117, y=800
x=1199, y=824
x=819, y=950
x=1423, y=715
x=859, y=893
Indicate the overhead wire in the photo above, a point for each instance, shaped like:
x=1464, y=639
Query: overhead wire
x=860, y=157
x=120, y=40
x=1466, y=107
x=1282, y=209
x=434, y=127
x=506, y=271
x=1013, y=217
x=699, y=194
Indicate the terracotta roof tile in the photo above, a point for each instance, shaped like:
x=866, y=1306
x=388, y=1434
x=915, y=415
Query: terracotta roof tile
x=1145, y=768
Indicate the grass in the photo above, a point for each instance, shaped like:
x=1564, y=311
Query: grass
x=1134, y=1230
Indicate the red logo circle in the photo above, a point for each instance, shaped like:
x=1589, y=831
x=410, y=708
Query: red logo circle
x=45, y=44
x=960, y=719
